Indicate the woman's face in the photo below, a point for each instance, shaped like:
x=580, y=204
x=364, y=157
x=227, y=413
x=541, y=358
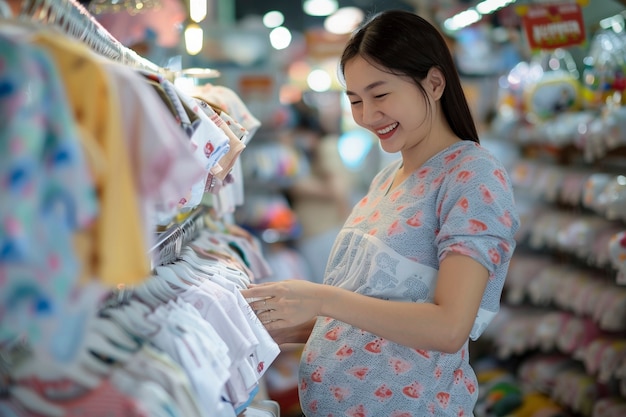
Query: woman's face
x=390, y=106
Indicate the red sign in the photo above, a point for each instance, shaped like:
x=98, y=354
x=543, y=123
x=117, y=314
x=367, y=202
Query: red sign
x=551, y=26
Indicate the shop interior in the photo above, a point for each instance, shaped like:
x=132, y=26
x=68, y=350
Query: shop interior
x=549, y=98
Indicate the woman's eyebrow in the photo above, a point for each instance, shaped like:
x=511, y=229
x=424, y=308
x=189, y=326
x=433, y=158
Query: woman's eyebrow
x=369, y=87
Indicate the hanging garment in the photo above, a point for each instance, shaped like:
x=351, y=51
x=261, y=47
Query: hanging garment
x=210, y=145
x=235, y=146
x=161, y=156
x=114, y=249
x=104, y=401
x=47, y=194
x=154, y=365
x=230, y=102
x=195, y=345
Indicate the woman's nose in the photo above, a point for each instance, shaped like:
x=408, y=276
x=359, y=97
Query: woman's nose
x=370, y=113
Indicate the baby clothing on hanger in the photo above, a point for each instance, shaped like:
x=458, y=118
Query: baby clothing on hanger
x=229, y=101
x=154, y=365
x=47, y=193
x=160, y=152
x=113, y=249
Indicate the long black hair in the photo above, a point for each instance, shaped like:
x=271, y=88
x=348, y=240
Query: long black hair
x=404, y=43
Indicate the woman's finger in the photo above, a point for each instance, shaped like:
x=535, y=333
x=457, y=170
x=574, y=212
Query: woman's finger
x=257, y=288
x=268, y=316
x=261, y=304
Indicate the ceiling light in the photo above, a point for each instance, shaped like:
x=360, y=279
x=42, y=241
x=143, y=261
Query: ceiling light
x=319, y=80
x=319, y=7
x=280, y=37
x=197, y=10
x=462, y=20
x=472, y=15
x=193, y=39
x=344, y=20
x=490, y=6
x=273, y=19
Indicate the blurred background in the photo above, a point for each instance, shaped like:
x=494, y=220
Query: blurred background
x=281, y=56
x=548, y=96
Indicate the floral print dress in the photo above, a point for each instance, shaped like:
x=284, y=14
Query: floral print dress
x=390, y=248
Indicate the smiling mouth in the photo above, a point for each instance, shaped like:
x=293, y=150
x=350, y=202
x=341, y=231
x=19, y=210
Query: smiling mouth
x=387, y=130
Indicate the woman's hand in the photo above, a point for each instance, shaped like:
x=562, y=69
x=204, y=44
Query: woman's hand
x=285, y=304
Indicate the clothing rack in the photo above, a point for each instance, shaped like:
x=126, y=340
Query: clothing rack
x=167, y=250
x=75, y=20
x=170, y=242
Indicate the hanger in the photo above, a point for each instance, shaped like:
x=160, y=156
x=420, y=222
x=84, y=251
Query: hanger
x=219, y=247
x=156, y=293
x=30, y=7
x=200, y=271
x=204, y=265
x=47, y=12
x=120, y=317
x=208, y=265
x=188, y=259
x=185, y=273
x=98, y=344
x=169, y=275
x=143, y=293
x=168, y=247
x=187, y=253
x=73, y=19
x=161, y=289
x=77, y=26
x=134, y=314
x=139, y=307
x=190, y=255
x=35, y=366
x=213, y=268
x=85, y=371
x=51, y=13
x=114, y=333
x=33, y=402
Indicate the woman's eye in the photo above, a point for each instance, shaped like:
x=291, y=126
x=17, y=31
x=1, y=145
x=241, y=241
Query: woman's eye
x=380, y=95
x=353, y=103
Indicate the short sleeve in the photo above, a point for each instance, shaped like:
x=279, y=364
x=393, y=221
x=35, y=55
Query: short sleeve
x=478, y=218
x=477, y=213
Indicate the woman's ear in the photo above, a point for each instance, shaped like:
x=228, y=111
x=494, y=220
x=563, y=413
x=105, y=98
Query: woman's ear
x=435, y=83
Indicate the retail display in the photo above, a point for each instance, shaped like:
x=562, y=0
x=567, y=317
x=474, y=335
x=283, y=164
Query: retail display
x=562, y=327
x=126, y=233
x=120, y=273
